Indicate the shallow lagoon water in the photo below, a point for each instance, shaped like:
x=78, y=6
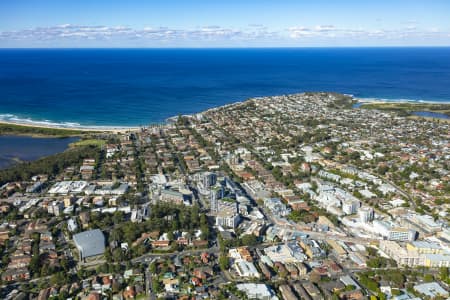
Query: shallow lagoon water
x=25, y=148
x=429, y=114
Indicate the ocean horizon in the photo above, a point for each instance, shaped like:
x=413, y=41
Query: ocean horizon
x=133, y=87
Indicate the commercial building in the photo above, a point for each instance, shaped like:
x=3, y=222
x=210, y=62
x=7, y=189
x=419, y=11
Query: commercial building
x=393, y=232
x=36, y=187
x=436, y=260
x=246, y=269
x=350, y=206
x=277, y=207
x=176, y=197
x=66, y=187
x=417, y=254
x=55, y=208
x=431, y=289
x=286, y=253
x=402, y=256
x=402, y=234
x=215, y=195
x=90, y=243
x=228, y=215
x=312, y=248
x=366, y=214
x=257, y=291
x=209, y=179
x=228, y=219
x=425, y=247
x=426, y=222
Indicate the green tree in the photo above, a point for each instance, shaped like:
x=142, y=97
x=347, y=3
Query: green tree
x=224, y=262
x=157, y=288
x=381, y=296
x=428, y=278
x=170, y=235
x=58, y=279
x=152, y=268
x=443, y=273
x=350, y=287
x=249, y=240
x=118, y=255
x=65, y=264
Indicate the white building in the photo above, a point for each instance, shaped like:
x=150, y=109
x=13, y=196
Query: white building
x=286, y=253
x=402, y=234
x=350, y=206
x=367, y=194
x=381, y=228
x=401, y=255
x=431, y=289
x=214, y=196
x=66, y=187
x=257, y=291
x=426, y=222
x=228, y=215
x=72, y=225
x=366, y=214
x=56, y=208
x=246, y=269
x=226, y=219
x=276, y=206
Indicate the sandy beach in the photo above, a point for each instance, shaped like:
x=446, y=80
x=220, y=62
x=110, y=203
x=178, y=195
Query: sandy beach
x=118, y=129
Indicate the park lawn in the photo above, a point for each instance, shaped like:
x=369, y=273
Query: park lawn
x=408, y=107
x=13, y=129
x=89, y=142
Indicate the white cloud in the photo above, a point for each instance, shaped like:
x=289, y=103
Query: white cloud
x=324, y=28
x=299, y=31
x=332, y=32
x=434, y=30
x=123, y=32
x=253, y=33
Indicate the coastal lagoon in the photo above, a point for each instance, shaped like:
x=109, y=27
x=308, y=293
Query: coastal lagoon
x=428, y=114
x=23, y=148
x=132, y=87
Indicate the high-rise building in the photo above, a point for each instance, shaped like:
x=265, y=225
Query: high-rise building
x=216, y=193
x=228, y=214
x=350, y=206
x=366, y=214
x=209, y=179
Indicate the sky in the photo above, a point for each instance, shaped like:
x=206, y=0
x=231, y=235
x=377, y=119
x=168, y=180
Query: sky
x=227, y=23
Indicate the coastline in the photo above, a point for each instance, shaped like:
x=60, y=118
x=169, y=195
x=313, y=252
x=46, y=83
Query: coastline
x=399, y=101
x=86, y=129
x=123, y=129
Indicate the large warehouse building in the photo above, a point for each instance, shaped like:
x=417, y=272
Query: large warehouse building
x=90, y=243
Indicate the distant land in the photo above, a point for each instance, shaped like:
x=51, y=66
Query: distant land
x=32, y=141
x=89, y=88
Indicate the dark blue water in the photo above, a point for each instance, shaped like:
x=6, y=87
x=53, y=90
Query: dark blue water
x=140, y=86
x=27, y=148
x=430, y=114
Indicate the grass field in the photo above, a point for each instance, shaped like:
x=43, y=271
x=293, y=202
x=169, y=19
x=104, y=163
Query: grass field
x=13, y=129
x=408, y=108
x=89, y=142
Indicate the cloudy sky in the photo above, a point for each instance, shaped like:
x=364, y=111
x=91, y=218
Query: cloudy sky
x=227, y=23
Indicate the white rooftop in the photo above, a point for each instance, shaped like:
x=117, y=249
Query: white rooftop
x=257, y=291
x=431, y=289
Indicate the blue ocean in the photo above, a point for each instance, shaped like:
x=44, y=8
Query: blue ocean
x=129, y=87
